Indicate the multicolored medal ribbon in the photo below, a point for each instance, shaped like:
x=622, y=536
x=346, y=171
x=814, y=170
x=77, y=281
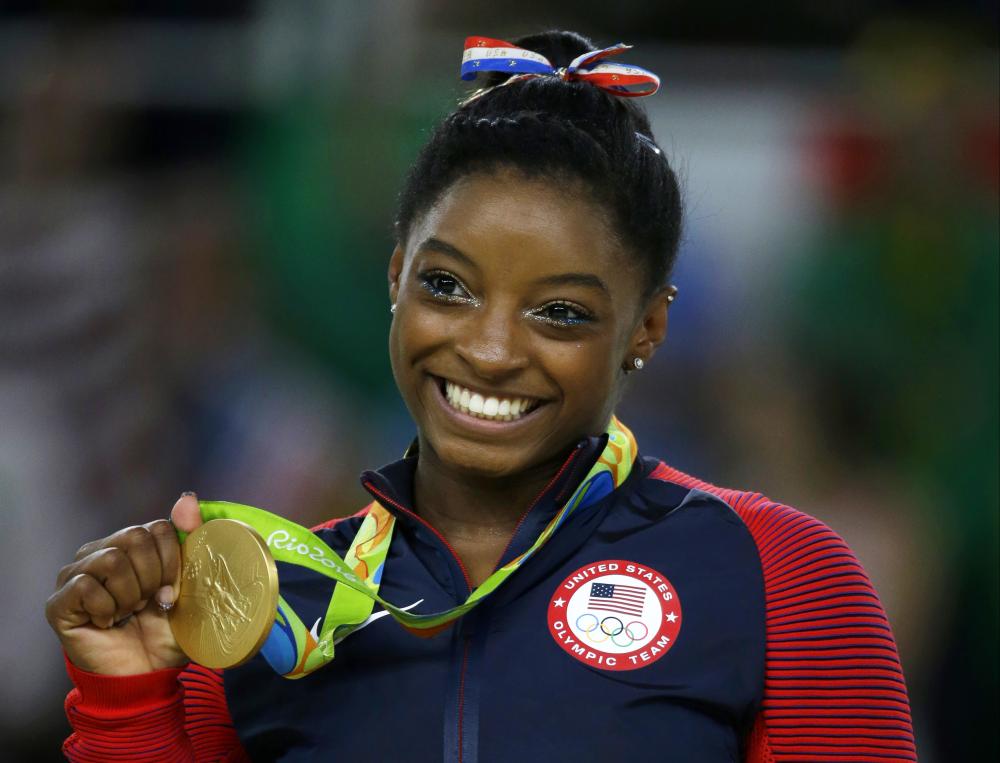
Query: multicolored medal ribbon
x=483, y=54
x=294, y=650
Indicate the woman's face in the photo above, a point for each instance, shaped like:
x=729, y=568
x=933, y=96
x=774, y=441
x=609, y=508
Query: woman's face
x=516, y=311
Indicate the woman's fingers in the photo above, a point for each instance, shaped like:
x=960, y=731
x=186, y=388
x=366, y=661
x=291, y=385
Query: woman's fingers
x=169, y=550
x=113, y=569
x=131, y=566
x=114, y=577
x=82, y=600
x=140, y=547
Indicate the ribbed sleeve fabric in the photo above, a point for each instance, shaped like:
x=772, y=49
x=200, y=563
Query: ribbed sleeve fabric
x=126, y=718
x=168, y=715
x=833, y=687
x=206, y=717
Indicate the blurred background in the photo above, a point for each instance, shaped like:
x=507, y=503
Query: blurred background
x=195, y=219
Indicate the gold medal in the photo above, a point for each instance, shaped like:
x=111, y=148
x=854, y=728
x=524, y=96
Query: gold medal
x=228, y=594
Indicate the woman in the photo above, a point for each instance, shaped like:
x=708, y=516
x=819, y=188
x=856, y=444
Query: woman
x=662, y=618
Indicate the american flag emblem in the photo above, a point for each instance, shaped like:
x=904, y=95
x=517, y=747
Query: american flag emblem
x=615, y=597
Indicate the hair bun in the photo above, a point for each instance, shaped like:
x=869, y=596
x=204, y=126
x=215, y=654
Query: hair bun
x=591, y=144
x=557, y=45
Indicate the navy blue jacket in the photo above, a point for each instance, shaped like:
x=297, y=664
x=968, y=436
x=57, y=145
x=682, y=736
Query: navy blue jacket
x=497, y=683
x=744, y=630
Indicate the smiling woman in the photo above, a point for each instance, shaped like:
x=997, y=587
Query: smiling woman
x=578, y=601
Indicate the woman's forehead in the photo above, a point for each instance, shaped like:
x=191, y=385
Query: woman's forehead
x=507, y=220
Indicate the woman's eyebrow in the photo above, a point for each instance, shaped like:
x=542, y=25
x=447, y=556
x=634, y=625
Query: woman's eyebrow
x=449, y=250
x=588, y=280
x=575, y=279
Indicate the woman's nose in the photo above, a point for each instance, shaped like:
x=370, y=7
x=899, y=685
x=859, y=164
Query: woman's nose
x=492, y=344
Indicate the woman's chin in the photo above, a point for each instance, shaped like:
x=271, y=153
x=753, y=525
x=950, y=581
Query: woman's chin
x=481, y=461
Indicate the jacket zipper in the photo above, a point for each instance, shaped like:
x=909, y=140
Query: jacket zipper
x=544, y=490
x=467, y=638
x=461, y=697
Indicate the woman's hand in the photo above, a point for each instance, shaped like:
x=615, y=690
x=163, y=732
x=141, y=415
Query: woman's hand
x=109, y=607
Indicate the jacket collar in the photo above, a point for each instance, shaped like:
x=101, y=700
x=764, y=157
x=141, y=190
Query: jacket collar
x=593, y=469
x=395, y=480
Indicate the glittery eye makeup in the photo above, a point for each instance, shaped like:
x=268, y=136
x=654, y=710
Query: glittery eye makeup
x=444, y=285
x=562, y=313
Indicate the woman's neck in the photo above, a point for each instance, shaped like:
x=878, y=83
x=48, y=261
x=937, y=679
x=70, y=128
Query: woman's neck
x=476, y=515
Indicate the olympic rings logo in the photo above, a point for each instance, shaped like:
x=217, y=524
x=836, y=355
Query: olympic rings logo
x=610, y=627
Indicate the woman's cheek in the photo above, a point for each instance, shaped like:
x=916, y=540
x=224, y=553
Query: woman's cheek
x=420, y=330
x=581, y=358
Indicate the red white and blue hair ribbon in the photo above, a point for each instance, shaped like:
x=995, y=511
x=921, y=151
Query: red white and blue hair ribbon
x=483, y=54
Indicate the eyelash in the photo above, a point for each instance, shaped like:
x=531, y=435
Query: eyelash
x=582, y=316
x=429, y=281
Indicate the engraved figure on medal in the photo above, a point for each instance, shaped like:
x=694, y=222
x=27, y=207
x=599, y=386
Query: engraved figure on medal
x=225, y=603
x=228, y=594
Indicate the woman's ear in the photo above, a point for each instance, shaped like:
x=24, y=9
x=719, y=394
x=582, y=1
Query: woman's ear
x=395, y=273
x=652, y=328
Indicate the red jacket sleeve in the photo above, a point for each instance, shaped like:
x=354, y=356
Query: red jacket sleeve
x=168, y=715
x=833, y=684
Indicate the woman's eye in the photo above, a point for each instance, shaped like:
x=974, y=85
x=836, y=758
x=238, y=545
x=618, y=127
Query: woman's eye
x=563, y=314
x=443, y=285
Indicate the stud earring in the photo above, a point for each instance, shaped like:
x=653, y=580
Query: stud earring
x=392, y=308
x=637, y=363
x=670, y=298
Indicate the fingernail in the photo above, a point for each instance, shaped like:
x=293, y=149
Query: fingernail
x=165, y=597
x=187, y=492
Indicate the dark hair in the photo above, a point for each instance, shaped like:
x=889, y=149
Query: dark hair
x=547, y=127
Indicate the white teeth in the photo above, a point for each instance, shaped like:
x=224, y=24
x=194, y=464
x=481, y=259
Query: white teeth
x=494, y=408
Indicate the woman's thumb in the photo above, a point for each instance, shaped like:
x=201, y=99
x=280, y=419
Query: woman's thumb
x=186, y=515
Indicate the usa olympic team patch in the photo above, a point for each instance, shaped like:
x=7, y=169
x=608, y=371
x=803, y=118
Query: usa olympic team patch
x=615, y=615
